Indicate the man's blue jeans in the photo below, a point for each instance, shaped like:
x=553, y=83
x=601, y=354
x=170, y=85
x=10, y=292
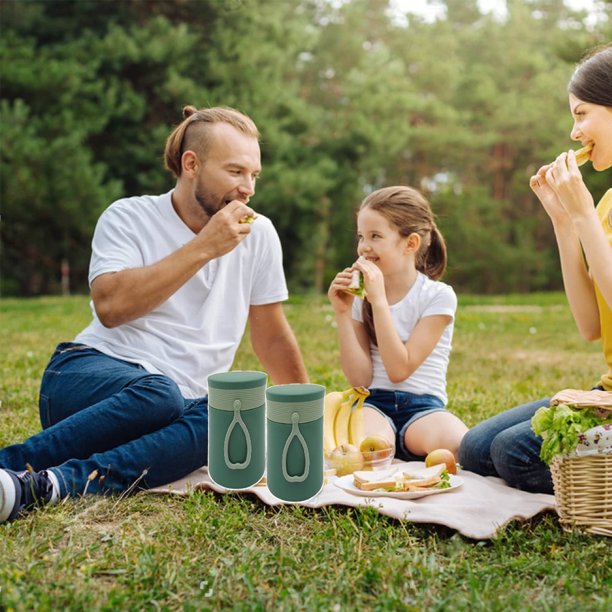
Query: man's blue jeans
x=505, y=446
x=109, y=417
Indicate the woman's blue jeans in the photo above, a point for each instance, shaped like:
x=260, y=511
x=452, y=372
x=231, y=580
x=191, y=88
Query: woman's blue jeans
x=505, y=446
x=109, y=426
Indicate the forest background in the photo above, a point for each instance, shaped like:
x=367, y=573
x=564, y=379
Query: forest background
x=348, y=95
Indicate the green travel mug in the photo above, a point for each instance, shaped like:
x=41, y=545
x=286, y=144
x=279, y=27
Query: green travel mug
x=236, y=428
x=294, y=432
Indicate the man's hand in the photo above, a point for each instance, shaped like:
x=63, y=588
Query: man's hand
x=224, y=231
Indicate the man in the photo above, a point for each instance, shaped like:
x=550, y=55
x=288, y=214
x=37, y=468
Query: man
x=174, y=280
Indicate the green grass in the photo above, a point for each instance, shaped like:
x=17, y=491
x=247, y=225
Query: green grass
x=208, y=551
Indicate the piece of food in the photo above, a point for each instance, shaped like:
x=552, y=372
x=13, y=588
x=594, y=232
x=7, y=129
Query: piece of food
x=345, y=459
x=357, y=286
x=248, y=218
x=331, y=405
x=356, y=425
x=583, y=155
x=442, y=455
x=374, y=443
x=560, y=426
x=402, y=479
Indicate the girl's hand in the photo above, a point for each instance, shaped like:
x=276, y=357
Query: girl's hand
x=373, y=280
x=337, y=293
x=547, y=196
x=565, y=180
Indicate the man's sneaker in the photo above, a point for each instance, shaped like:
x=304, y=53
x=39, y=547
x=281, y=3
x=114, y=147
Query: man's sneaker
x=21, y=491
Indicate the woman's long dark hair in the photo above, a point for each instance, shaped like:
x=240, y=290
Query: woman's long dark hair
x=410, y=213
x=592, y=79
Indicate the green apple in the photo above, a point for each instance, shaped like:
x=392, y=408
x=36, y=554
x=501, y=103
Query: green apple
x=373, y=443
x=345, y=459
x=442, y=455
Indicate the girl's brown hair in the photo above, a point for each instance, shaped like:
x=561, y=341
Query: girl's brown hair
x=193, y=133
x=410, y=213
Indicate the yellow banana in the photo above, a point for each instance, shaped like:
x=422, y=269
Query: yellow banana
x=332, y=403
x=341, y=424
x=356, y=426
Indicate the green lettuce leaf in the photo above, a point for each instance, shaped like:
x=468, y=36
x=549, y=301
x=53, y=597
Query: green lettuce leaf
x=559, y=426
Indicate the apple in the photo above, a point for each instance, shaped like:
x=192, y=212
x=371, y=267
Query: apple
x=373, y=443
x=442, y=455
x=345, y=459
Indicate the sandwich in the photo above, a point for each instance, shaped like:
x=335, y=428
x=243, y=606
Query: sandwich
x=401, y=479
x=583, y=155
x=248, y=218
x=357, y=285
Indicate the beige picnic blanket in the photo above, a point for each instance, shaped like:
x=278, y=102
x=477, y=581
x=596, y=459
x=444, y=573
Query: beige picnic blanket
x=477, y=509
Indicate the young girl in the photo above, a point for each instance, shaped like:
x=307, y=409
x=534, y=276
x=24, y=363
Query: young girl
x=505, y=445
x=397, y=340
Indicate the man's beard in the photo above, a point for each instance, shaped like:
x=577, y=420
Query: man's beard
x=209, y=203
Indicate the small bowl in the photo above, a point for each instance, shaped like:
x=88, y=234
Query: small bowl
x=378, y=460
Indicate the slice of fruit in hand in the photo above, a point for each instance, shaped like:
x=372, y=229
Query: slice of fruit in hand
x=248, y=218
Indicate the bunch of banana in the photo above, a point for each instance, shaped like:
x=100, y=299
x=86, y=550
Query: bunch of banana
x=343, y=418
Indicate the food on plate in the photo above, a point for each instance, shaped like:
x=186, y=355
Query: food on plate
x=345, y=459
x=442, y=455
x=401, y=479
x=583, y=155
x=357, y=286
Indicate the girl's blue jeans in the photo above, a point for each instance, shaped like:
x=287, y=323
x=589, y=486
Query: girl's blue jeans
x=505, y=446
x=110, y=426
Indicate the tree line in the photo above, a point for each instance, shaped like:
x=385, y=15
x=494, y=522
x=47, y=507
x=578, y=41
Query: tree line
x=349, y=96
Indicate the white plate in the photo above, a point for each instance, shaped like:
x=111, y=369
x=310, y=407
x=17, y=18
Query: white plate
x=346, y=483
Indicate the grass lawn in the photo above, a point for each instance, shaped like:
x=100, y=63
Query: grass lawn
x=214, y=552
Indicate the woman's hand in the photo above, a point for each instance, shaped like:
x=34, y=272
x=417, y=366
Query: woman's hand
x=373, y=281
x=546, y=194
x=565, y=180
x=337, y=293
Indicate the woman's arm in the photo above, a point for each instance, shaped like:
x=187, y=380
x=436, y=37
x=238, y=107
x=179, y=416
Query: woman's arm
x=578, y=285
x=567, y=182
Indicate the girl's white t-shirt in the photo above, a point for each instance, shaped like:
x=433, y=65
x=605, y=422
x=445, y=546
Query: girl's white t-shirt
x=425, y=298
x=197, y=331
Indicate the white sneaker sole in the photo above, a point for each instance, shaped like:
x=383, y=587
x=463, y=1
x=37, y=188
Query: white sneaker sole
x=7, y=495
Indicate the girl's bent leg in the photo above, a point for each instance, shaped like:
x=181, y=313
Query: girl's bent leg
x=152, y=460
x=435, y=430
x=475, y=448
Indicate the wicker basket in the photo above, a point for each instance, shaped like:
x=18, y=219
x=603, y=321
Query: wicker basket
x=583, y=492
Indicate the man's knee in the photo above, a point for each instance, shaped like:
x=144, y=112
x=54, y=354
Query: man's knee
x=161, y=395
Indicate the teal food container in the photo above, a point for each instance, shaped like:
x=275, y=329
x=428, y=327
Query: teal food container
x=294, y=430
x=237, y=428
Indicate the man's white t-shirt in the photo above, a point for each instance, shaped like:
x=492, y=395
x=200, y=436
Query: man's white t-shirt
x=197, y=331
x=425, y=298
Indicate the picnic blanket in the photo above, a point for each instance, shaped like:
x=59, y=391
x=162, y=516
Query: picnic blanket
x=477, y=509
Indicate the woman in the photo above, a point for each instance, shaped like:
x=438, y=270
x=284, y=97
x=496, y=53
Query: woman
x=505, y=445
